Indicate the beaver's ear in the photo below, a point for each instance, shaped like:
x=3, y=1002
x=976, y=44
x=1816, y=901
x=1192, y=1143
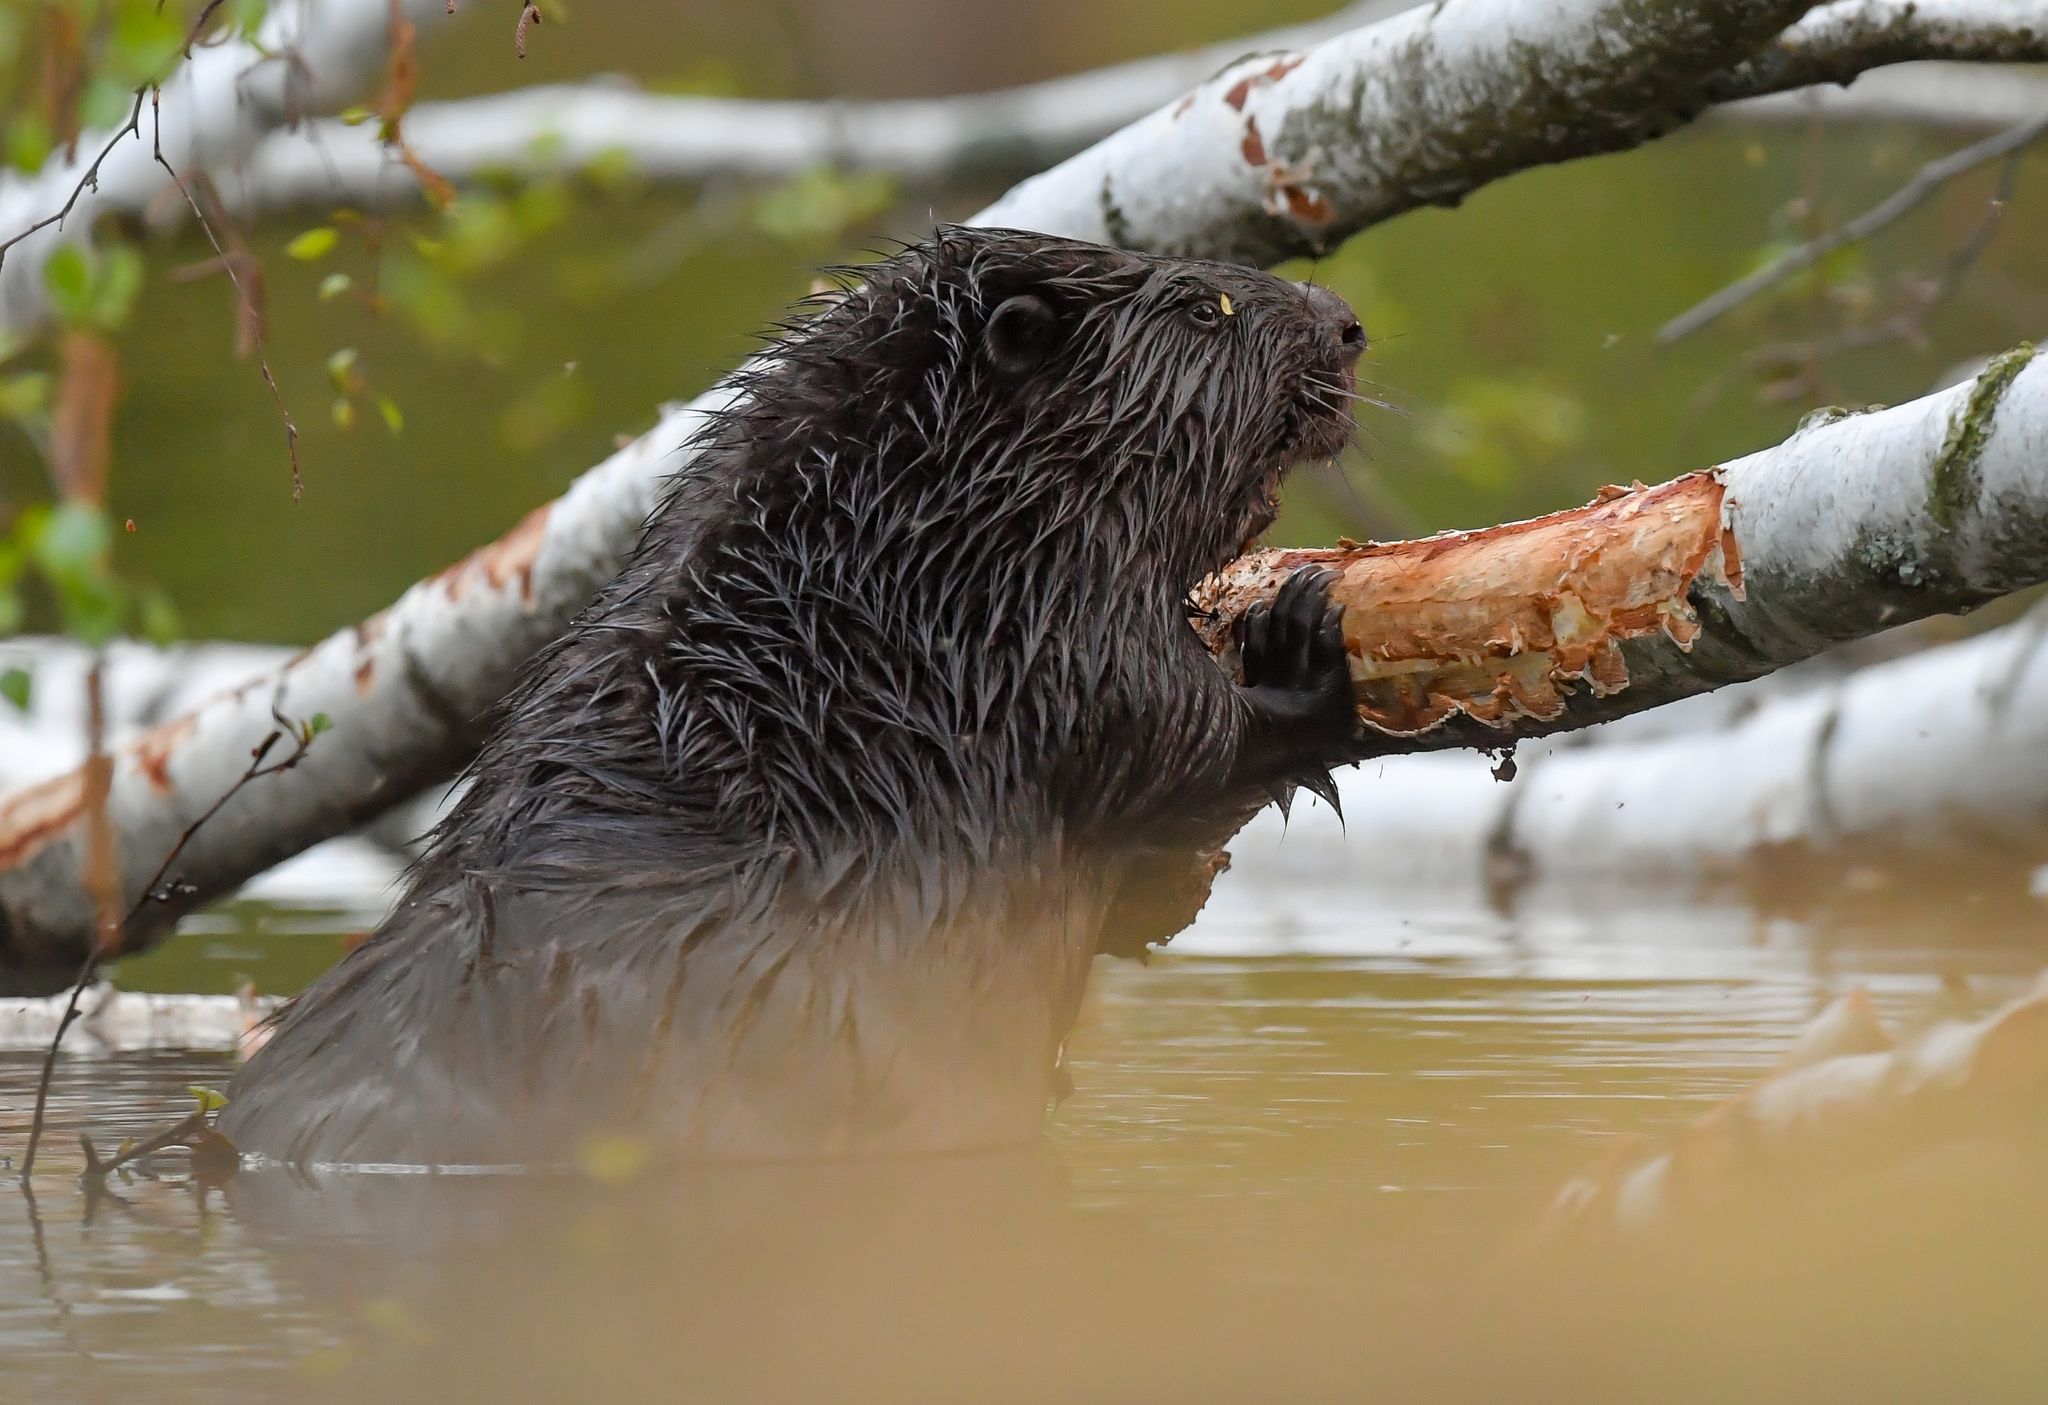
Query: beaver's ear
x=1021, y=332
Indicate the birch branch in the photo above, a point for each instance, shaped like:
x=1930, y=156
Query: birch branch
x=1836, y=42
x=1941, y=755
x=1855, y=524
x=1423, y=106
x=211, y=112
x=927, y=141
x=931, y=141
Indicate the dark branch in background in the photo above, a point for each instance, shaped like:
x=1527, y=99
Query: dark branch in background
x=1807, y=357
x=153, y=891
x=252, y=315
x=91, y=179
x=1926, y=182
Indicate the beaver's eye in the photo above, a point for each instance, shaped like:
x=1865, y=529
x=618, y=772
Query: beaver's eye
x=1205, y=312
x=1021, y=332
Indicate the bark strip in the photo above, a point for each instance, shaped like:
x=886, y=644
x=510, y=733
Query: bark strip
x=1500, y=625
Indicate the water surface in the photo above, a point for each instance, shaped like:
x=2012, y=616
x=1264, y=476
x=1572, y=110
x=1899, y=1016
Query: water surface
x=1294, y=1161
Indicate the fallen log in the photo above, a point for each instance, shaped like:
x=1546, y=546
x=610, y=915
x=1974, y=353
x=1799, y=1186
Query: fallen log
x=1848, y=1098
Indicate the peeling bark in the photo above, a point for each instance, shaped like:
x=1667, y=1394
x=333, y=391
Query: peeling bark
x=1499, y=625
x=1420, y=109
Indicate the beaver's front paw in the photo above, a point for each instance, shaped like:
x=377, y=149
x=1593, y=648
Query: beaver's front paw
x=1297, y=680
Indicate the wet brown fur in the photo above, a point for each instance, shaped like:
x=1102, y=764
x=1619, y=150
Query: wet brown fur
x=803, y=838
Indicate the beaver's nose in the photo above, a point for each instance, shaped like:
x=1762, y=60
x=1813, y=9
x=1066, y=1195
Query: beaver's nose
x=1335, y=316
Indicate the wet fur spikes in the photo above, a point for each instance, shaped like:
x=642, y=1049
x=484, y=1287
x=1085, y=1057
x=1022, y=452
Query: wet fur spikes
x=802, y=839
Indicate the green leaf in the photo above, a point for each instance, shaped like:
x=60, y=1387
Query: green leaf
x=245, y=17
x=67, y=278
x=394, y=418
x=316, y=724
x=612, y=1160
x=210, y=1099
x=315, y=243
x=72, y=542
x=334, y=285
x=159, y=622
x=24, y=398
x=114, y=286
x=28, y=141
x=14, y=686
x=146, y=39
x=343, y=412
x=355, y=116
x=341, y=369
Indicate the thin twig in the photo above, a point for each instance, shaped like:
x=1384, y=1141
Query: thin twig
x=1907, y=323
x=1929, y=179
x=253, y=316
x=302, y=739
x=91, y=179
x=177, y=1134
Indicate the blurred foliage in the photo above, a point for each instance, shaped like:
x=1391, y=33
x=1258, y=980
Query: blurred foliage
x=73, y=66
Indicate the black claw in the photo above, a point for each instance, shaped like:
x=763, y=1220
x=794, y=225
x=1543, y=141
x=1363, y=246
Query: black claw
x=1323, y=786
x=1282, y=797
x=1297, y=678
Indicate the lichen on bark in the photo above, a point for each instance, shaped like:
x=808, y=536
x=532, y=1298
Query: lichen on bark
x=1953, y=488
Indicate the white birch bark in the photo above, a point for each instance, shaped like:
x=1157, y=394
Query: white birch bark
x=929, y=141
x=1850, y=527
x=307, y=58
x=1422, y=107
x=667, y=137
x=1941, y=753
x=1836, y=42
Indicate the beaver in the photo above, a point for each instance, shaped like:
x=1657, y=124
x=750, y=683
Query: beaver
x=801, y=840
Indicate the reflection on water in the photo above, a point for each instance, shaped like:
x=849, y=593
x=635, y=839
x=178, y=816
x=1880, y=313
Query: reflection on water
x=1283, y=1175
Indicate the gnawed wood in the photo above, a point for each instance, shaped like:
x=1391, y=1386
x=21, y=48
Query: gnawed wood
x=1500, y=624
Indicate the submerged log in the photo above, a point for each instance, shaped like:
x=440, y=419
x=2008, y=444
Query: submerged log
x=1848, y=1098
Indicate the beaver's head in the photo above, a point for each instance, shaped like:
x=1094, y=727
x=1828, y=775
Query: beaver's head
x=1032, y=387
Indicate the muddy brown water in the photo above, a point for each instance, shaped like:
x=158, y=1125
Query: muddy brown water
x=1293, y=1167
